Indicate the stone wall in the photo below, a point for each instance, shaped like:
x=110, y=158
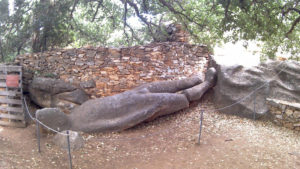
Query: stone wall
x=285, y=113
x=105, y=71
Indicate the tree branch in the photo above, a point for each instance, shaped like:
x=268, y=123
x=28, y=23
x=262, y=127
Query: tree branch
x=293, y=26
x=98, y=6
x=73, y=8
x=172, y=9
x=226, y=9
x=137, y=12
x=125, y=21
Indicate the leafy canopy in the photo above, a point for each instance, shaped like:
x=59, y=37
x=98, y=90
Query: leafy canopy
x=40, y=25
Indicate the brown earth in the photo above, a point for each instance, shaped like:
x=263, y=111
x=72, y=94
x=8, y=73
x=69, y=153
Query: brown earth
x=166, y=143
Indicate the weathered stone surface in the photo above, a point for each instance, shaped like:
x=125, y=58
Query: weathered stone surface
x=49, y=117
x=76, y=140
x=52, y=86
x=47, y=92
x=88, y=84
x=130, y=108
x=278, y=80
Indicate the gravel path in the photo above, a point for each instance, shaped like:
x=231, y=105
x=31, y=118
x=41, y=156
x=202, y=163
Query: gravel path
x=168, y=142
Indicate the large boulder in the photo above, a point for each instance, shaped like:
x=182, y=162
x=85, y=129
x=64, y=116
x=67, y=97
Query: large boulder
x=48, y=92
x=76, y=140
x=278, y=80
x=49, y=117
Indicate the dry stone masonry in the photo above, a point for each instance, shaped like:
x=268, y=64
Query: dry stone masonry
x=105, y=71
x=285, y=113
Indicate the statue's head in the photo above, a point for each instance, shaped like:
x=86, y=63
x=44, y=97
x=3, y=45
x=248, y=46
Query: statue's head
x=54, y=118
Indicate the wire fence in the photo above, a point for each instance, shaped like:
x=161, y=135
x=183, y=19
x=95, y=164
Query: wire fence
x=67, y=134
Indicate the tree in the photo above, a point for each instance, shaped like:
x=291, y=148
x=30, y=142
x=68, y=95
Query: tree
x=45, y=24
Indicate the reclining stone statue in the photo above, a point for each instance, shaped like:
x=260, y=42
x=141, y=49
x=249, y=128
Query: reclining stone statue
x=127, y=109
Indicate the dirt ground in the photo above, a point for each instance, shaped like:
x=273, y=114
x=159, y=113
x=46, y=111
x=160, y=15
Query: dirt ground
x=227, y=142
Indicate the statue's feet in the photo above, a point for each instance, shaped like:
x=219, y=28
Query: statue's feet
x=196, y=92
x=211, y=76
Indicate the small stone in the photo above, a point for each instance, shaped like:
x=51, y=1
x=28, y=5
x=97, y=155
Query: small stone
x=288, y=125
x=90, y=63
x=297, y=125
x=99, y=62
x=76, y=140
x=79, y=63
x=279, y=117
x=114, y=77
x=277, y=112
x=296, y=114
x=289, y=112
x=80, y=55
x=103, y=72
x=88, y=84
x=114, y=52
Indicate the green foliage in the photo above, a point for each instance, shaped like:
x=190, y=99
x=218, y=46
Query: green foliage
x=40, y=25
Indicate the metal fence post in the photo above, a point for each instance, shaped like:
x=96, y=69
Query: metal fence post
x=254, y=107
x=69, y=150
x=200, y=130
x=38, y=134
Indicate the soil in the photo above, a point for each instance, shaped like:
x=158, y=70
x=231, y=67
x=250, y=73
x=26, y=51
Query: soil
x=169, y=142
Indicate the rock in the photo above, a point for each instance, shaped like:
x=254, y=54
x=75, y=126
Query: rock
x=296, y=114
x=289, y=112
x=278, y=80
x=297, y=125
x=76, y=140
x=88, y=84
x=279, y=117
x=47, y=92
x=49, y=117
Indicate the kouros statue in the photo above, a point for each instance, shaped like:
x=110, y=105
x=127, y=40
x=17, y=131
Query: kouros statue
x=127, y=109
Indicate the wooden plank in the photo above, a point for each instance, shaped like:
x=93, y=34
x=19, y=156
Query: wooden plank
x=13, y=124
x=10, y=101
x=3, y=84
x=11, y=116
x=9, y=93
x=10, y=69
x=12, y=109
x=2, y=77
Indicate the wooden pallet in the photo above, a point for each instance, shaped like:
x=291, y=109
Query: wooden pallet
x=11, y=96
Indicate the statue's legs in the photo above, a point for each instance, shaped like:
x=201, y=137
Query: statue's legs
x=169, y=103
x=119, y=112
x=169, y=86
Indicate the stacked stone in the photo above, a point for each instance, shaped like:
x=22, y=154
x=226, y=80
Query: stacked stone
x=106, y=71
x=285, y=113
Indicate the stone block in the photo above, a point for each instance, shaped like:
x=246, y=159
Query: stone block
x=297, y=114
x=289, y=112
x=76, y=140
